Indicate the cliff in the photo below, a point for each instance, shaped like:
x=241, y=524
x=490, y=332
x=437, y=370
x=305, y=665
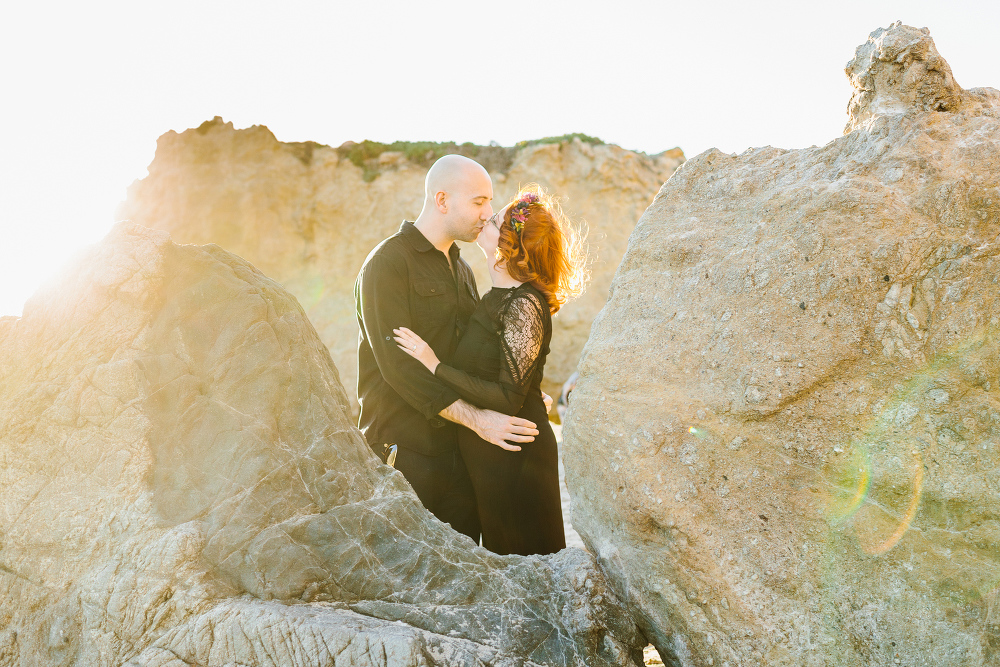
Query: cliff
x=307, y=215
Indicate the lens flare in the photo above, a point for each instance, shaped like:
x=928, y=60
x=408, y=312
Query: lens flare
x=314, y=292
x=911, y=510
x=868, y=493
x=849, y=482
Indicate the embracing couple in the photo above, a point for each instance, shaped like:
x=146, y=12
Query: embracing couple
x=449, y=384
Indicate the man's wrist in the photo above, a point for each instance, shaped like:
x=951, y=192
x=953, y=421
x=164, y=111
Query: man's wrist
x=462, y=413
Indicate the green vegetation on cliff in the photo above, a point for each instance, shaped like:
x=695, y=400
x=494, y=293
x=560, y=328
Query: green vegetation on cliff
x=561, y=139
x=496, y=159
x=366, y=155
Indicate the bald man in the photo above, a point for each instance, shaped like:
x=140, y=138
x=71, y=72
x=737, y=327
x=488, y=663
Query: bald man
x=416, y=279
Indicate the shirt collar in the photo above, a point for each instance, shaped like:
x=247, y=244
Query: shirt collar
x=420, y=242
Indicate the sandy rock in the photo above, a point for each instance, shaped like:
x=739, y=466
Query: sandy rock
x=784, y=443
x=304, y=215
x=181, y=482
x=899, y=70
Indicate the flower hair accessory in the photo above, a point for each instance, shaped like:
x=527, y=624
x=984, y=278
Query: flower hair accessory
x=519, y=210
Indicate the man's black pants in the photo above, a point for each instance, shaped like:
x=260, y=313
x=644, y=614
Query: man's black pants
x=443, y=485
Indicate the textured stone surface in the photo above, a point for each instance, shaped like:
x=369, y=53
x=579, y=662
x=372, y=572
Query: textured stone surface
x=305, y=216
x=181, y=483
x=784, y=444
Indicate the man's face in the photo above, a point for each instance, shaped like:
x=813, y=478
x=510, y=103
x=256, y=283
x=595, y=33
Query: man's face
x=469, y=207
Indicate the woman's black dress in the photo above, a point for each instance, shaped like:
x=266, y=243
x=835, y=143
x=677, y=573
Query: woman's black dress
x=498, y=365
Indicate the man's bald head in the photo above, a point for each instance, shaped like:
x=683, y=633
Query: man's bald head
x=457, y=196
x=452, y=173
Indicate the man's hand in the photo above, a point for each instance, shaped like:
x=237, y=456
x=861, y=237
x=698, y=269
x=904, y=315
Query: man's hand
x=498, y=428
x=491, y=426
x=548, y=402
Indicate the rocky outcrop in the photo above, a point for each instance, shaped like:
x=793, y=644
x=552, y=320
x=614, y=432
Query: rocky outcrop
x=181, y=483
x=308, y=215
x=785, y=440
x=899, y=70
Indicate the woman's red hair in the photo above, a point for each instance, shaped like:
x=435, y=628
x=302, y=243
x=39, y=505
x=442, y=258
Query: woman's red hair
x=548, y=252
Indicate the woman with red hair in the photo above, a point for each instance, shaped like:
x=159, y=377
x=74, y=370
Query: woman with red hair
x=539, y=263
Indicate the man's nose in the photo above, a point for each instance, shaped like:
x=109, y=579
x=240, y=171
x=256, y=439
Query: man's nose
x=487, y=212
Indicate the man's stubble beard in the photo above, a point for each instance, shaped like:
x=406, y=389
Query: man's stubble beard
x=464, y=234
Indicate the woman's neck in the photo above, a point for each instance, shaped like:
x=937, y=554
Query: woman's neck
x=500, y=277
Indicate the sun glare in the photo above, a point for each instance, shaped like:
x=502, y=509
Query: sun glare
x=109, y=78
x=44, y=233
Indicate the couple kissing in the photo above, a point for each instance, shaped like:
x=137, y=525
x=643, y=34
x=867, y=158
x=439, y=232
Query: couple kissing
x=450, y=383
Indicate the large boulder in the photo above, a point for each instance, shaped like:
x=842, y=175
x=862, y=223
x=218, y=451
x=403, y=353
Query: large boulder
x=784, y=444
x=181, y=483
x=308, y=215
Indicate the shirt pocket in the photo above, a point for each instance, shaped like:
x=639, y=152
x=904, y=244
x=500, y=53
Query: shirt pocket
x=432, y=302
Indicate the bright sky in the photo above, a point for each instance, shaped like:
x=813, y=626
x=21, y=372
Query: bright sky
x=87, y=87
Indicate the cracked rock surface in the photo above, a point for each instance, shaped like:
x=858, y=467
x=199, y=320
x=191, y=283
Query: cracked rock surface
x=181, y=483
x=784, y=444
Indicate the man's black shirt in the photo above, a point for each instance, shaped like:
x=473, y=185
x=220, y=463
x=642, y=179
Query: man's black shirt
x=406, y=282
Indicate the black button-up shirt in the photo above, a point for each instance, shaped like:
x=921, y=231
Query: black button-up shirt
x=406, y=282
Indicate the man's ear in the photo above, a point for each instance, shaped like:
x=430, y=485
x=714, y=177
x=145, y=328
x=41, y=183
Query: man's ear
x=441, y=201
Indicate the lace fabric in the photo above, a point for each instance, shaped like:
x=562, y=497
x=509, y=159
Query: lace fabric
x=521, y=327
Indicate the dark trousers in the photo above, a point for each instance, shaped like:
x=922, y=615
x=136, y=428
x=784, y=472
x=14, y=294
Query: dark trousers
x=442, y=483
x=520, y=508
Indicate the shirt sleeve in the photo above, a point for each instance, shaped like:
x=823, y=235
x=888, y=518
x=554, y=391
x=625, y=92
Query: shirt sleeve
x=383, y=299
x=522, y=327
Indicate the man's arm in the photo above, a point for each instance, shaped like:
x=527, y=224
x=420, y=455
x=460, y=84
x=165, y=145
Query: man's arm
x=491, y=426
x=382, y=294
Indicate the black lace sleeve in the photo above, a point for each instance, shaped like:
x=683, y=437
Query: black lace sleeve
x=522, y=329
x=522, y=326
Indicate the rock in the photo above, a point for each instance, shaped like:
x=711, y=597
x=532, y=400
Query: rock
x=308, y=216
x=774, y=485
x=181, y=483
x=898, y=70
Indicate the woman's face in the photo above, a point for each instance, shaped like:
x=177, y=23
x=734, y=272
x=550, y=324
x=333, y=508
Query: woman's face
x=490, y=235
